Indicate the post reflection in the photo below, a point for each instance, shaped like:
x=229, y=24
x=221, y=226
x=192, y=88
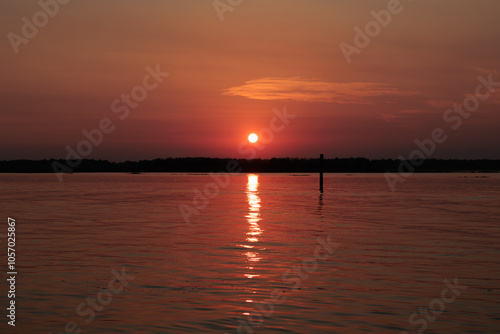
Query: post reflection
x=253, y=219
x=319, y=211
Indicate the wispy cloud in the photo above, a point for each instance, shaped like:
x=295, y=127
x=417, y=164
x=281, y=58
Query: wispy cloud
x=300, y=89
x=440, y=104
x=494, y=98
x=484, y=71
x=408, y=117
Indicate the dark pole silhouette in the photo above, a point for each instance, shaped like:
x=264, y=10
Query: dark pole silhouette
x=321, y=172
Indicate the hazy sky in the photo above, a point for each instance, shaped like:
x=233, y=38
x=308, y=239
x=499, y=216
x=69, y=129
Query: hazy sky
x=226, y=77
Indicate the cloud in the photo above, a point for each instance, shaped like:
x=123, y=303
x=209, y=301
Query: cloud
x=409, y=117
x=484, y=71
x=494, y=98
x=440, y=104
x=309, y=90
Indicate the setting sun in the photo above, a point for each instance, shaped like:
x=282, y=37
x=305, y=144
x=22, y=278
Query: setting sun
x=253, y=138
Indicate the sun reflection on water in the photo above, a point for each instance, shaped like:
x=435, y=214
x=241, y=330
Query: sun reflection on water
x=253, y=219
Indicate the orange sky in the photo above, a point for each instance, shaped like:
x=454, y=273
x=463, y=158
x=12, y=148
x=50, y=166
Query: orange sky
x=226, y=77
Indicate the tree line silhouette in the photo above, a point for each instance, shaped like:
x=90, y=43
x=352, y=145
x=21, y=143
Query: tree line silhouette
x=274, y=165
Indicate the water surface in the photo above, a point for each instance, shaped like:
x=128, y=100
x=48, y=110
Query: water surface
x=393, y=250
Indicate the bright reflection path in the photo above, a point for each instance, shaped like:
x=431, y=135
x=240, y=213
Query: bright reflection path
x=253, y=218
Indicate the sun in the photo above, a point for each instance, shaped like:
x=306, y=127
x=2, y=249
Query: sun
x=253, y=138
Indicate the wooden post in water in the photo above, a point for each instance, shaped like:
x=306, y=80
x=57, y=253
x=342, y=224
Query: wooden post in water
x=321, y=172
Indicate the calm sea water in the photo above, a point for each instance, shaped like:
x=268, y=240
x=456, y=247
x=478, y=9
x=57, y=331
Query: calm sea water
x=255, y=246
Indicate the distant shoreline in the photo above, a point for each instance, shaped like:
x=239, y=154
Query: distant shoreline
x=274, y=165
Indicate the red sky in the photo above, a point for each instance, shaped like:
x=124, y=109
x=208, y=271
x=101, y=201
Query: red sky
x=226, y=77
